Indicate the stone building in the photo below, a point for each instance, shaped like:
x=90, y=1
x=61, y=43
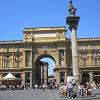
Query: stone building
x=22, y=57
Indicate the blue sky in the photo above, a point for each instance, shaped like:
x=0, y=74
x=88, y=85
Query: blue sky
x=51, y=64
x=15, y=15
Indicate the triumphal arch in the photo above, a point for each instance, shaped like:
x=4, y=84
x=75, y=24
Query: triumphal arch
x=44, y=42
x=23, y=57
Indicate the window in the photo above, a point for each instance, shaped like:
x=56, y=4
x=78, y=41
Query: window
x=61, y=53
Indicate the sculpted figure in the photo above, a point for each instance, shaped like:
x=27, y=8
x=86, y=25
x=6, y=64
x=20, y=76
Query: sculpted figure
x=72, y=10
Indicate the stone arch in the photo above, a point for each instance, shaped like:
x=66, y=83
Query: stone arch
x=45, y=55
x=38, y=65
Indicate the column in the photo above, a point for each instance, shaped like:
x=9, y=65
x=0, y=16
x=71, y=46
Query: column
x=12, y=60
x=41, y=75
x=1, y=61
x=74, y=55
x=31, y=58
x=80, y=76
x=24, y=58
x=30, y=79
x=57, y=76
x=33, y=75
x=45, y=74
x=91, y=77
x=23, y=79
x=89, y=57
x=72, y=21
x=1, y=76
x=57, y=58
x=65, y=58
x=65, y=80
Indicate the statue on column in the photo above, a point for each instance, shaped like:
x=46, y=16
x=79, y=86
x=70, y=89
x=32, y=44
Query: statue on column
x=72, y=9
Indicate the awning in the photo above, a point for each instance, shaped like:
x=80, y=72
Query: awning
x=9, y=76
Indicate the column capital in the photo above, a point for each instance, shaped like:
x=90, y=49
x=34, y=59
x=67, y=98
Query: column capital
x=73, y=21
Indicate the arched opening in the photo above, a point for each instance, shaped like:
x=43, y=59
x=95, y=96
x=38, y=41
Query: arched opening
x=85, y=77
x=97, y=77
x=44, y=65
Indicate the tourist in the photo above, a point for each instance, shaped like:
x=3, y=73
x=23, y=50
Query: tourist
x=70, y=89
x=44, y=87
x=81, y=89
x=36, y=86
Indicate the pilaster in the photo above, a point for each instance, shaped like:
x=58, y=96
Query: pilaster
x=58, y=58
x=91, y=77
x=1, y=76
x=24, y=58
x=65, y=80
x=1, y=61
x=1, y=57
x=12, y=60
x=65, y=62
x=80, y=76
x=23, y=78
x=30, y=58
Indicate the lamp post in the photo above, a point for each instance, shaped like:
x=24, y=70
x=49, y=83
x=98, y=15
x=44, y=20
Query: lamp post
x=72, y=21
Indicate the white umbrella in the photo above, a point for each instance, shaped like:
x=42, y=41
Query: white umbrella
x=9, y=76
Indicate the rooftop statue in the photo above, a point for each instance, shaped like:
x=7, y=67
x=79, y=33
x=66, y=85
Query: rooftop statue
x=72, y=9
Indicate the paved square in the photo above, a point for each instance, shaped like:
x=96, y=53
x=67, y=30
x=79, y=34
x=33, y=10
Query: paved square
x=39, y=95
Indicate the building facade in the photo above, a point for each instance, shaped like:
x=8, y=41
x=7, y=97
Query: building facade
x=22, y=57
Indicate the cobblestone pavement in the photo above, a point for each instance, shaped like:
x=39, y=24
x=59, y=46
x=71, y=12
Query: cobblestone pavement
x=40, y=95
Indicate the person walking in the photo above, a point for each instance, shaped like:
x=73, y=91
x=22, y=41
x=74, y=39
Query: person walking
x=36, y=86
x=43, y=87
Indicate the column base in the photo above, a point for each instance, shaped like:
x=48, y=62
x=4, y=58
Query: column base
x=76, y=79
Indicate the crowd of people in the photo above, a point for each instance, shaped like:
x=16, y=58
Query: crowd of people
x=11, y=87
x=50, y=85
x=72, y=90
x=67, y=90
